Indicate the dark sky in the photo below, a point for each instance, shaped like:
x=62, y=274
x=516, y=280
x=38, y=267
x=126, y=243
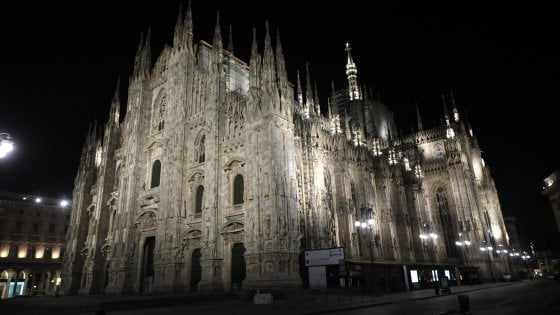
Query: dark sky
x=59, y=65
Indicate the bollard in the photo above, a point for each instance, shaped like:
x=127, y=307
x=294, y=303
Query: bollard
x=464, y=302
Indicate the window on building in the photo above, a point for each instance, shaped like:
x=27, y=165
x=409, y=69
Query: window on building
x=238, y=189
x=38, y=213
x=31, y=251
x=156, y=172
x=201, y=149
x=18, y=227
x=13, y=251
x=51, y=228
x=35, y=227
x=1, y=226
x=198, y=201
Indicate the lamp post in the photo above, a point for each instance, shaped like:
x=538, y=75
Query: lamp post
x=432, y=237
x=489, y=250
x=526, y=257
x=6, y=144
x=464, y=244
x=503, y=252
x=515, y=268
x=364, y=220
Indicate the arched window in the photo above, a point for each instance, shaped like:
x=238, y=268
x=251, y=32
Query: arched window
x=201, y=154
x=238, y=189
x=445, y=218
x=156, y=172
x=198, y=201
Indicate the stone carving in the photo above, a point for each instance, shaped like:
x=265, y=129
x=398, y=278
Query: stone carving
x=146, y=221
x=355, y=245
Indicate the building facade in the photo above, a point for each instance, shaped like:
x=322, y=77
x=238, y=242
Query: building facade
x=552, y=191
x=32, y=241
x=222, y=174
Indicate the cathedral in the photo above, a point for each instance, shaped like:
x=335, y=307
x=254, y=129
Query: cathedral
x=224, y=175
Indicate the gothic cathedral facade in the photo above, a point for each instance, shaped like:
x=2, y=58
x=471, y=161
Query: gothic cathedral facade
x=221, y=174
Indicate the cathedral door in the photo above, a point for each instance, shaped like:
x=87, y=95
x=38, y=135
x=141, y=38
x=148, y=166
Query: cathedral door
x=148, y=264
x=237, y=266
x=196, y=269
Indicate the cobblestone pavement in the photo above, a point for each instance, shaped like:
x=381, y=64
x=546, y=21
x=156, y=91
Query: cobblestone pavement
x=294, y=302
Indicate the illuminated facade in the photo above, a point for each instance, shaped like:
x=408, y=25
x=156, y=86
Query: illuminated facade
x=552, y=191
x=32, y=238
x=221, y=174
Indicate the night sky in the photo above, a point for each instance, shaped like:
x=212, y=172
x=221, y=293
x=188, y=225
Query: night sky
x=59, y=64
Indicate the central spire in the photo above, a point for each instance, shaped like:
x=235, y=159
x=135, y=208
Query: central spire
x=352, y=74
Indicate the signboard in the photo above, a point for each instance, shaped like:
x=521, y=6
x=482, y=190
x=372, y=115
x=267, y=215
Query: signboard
x=318, y=277
x=323, y=257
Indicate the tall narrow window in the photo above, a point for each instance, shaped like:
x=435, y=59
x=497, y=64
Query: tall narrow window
x=156, y=172
x=238, y=189
x=448, y=234
x=18, y=227
x=201, y=149
x=198, y=201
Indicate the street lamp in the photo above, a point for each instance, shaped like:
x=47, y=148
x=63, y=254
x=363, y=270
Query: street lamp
x=526, y=257
x=6, y=144
x=432, y=237
x=364, y=220
x=503, y=252
x=464, y=244
x=489, y=250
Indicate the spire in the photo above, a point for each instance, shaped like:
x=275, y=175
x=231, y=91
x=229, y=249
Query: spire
x=142, y=61
x=255, y=64
x=179, y=28
x=445, y=112
x=138, y=57
x=299, y=92
x=450, y=131
x=316, y=100
x=187, y=24
x=308, y=91
x=469, y=128
x=352, y=74
x=217, y=41
x=116, y=104
x=418, y=118
x=365, y=93
x=281, y=64
x=230, y=40
x=455, y=111
x=148, y=51
x=334, y=109
x=269, y=65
